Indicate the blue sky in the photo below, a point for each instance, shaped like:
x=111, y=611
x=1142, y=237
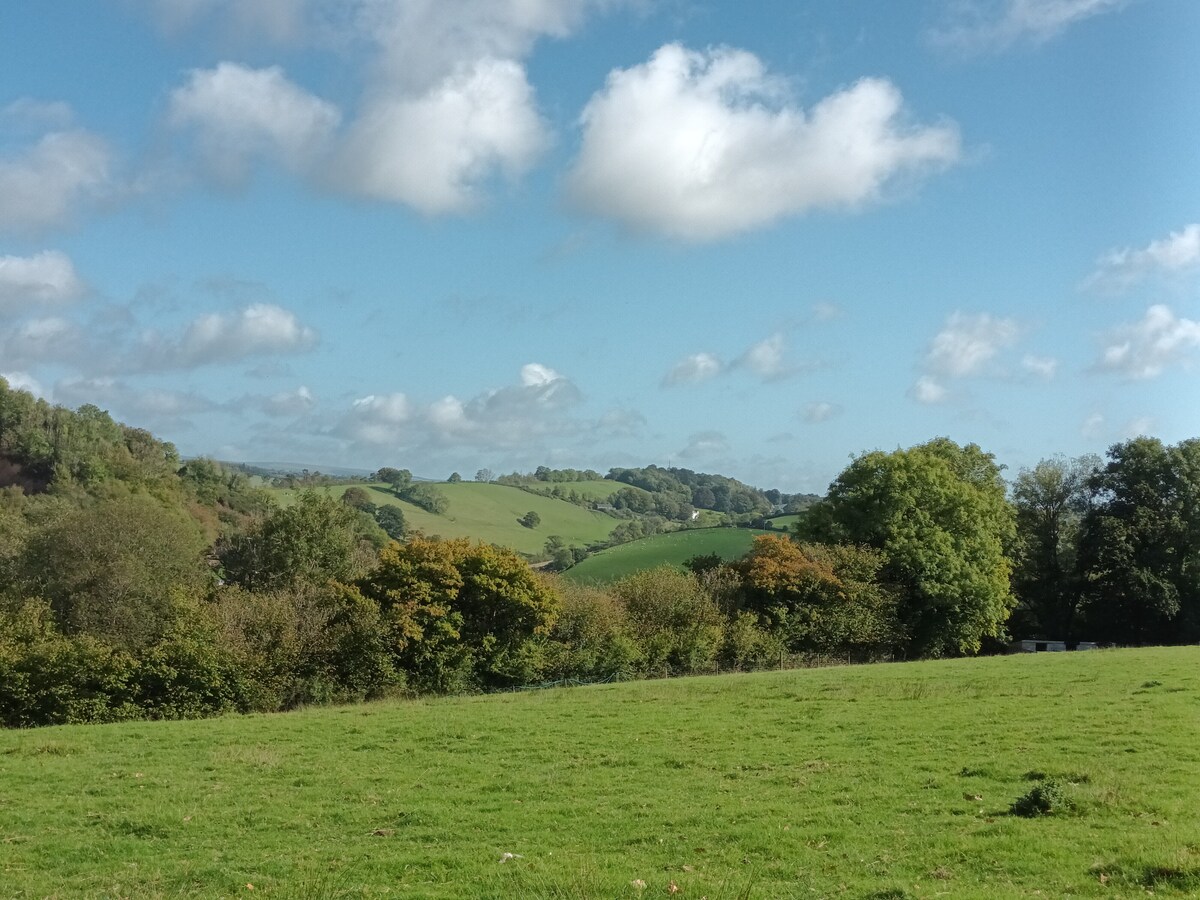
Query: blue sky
x=747, y=238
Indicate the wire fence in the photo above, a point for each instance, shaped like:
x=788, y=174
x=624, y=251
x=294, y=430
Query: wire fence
x=785, y=662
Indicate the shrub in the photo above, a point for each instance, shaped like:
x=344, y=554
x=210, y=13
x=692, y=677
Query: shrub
x=676, y=624
x=48, y=678
x=590, y=639
x=747, y=645
x=1046, y=798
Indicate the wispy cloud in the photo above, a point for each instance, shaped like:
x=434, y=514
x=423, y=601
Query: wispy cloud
x=694, y=369
x=973, y=26
x=1119, y=269
x=820, y=411
x=261, y=329
x=45, y=184
x=30, y=282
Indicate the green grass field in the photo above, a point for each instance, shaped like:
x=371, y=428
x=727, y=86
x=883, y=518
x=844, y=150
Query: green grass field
x=592, y=490
x=672, y=548
x=489, y=512
x=785, y=522
x=865, y=782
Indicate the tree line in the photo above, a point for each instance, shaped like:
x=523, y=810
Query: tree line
x=134, y=584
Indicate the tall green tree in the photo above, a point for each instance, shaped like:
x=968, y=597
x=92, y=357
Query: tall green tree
x=461, y=615
x=123, y=569
x=939, y=514
x=314, y=540
x=1051, y=500
x=1140, y=551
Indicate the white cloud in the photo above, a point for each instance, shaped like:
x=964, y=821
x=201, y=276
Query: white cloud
x=928, y=391
x=537, y=375
x=620, y=423
x=1119, y=269
x=46, y=278
x=378, y=419
x=507, y=417
x=1092, y=427
x=446, y=106
x=977, y=25
x=694, y=369
x=702, y=145
x=422, y=41
x=821, y=411
x=1139, y=427
x=278, y=20
x=766, y=359
x=1044, y=367
x=23, y=381
x=1145, y=349
x=705, y=445
x=48, y=339
x=289, y=403
x=152, y=405
x=38, y=115
x=260, y=329
x=434, y=151
x=968, y=343
x=827, y=312
x=44, y=185
x=239, y=113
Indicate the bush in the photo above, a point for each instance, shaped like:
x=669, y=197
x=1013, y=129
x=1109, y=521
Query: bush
x=747, y=645
x=1047, y=798
x=590, y=639
x=307, y=645
x=675, y=623
x=47, y=678
x=189, y=675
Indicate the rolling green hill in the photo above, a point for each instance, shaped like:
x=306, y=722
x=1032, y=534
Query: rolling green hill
x=489, y=512
x=892, y=780
x=592, y=490
x=672, y=548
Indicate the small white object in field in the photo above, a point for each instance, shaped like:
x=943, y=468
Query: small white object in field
x=507, y=856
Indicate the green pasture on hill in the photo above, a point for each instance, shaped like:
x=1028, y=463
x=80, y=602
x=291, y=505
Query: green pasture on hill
x=893, y=780
x=489, y=512
x=672, y=548
x=786, y=523
x=592, y=490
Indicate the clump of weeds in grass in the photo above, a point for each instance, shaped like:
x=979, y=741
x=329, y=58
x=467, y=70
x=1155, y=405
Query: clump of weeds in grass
x=1048, y=796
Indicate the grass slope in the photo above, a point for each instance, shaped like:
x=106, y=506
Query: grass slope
x=881, y=781
x=489, y=512
x=673, y=548
x=592, y=490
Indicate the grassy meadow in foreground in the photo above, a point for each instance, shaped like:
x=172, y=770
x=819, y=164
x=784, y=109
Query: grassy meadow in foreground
x=672, y=548
x=882, y=781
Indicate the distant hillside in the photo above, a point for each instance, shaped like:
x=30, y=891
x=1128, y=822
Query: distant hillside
x=490, y=512
x=595, y=491
x=673, y=548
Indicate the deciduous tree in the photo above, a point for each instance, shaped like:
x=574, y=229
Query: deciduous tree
x=939, y=515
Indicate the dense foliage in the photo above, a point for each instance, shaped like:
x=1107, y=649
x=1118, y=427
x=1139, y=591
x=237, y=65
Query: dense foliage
x=134, y=584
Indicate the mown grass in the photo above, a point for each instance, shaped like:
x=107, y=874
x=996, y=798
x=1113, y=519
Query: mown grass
x=490, y=513
x=892, y=780
x=672, y=548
